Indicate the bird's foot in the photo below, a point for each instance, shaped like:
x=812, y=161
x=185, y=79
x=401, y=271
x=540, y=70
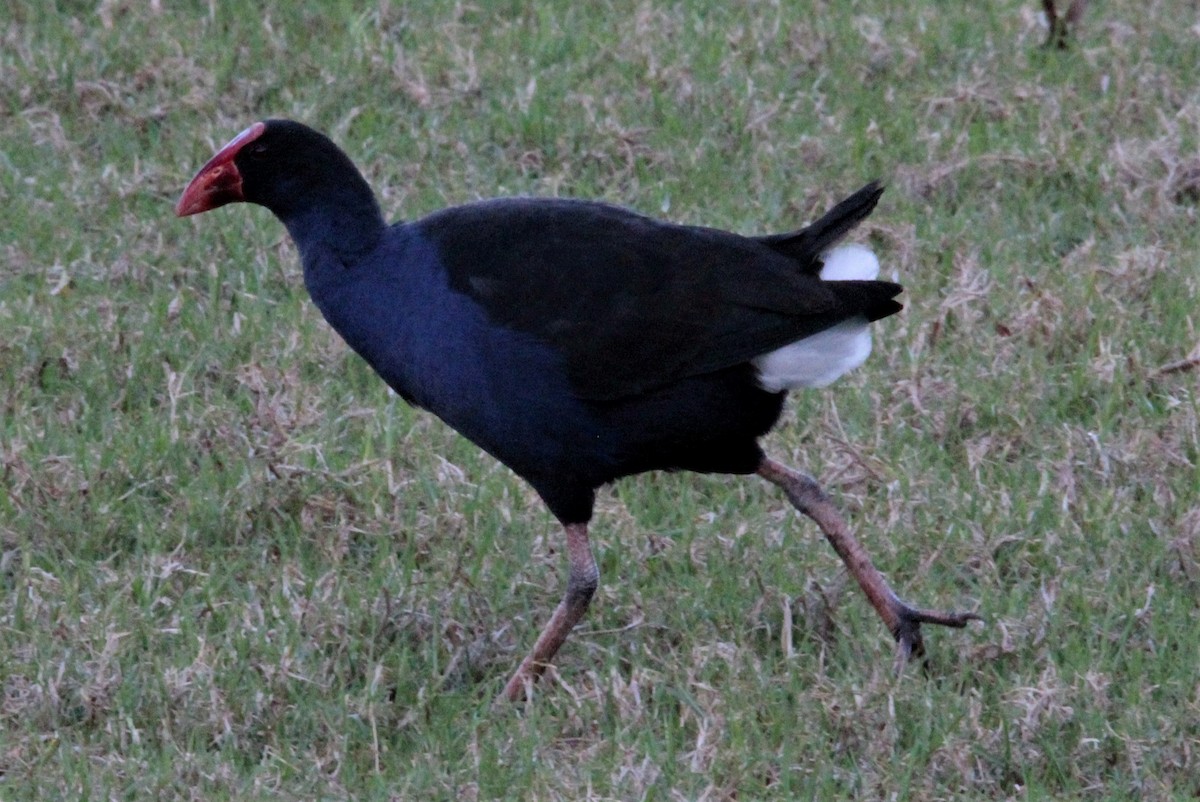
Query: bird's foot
x=520, y=684
x=906, y=629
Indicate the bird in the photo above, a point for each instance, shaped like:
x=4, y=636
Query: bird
x=578, y=342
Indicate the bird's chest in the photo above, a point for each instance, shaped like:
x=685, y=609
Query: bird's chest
x=504, y=390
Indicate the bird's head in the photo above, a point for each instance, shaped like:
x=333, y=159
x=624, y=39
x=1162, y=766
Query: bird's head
x=279, y=164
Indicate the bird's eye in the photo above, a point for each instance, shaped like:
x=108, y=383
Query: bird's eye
x=257, y=150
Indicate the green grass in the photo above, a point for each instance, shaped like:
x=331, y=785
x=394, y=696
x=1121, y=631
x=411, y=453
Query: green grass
x=234, y=567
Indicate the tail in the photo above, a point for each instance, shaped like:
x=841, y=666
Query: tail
x=808, y=244
x=850, y=263
x=818, y=359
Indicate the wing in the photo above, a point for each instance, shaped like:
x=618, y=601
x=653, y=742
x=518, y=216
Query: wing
x=632, y=303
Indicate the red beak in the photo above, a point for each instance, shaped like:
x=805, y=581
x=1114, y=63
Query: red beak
x=219, y=181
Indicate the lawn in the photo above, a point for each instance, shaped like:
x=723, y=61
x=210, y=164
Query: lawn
x=234, y=566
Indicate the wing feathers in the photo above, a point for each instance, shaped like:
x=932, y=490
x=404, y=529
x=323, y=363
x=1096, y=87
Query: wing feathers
x=632, y=304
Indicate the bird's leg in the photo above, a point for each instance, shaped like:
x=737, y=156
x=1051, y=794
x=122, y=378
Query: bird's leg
x=582, y=581
x=1057, y=36
x=901, y=619
x=1060, y=25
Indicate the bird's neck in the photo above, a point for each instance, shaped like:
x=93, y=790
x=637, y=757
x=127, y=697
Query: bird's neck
x=345, y=223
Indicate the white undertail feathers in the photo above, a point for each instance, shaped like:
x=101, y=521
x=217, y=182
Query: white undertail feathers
x=817, y=360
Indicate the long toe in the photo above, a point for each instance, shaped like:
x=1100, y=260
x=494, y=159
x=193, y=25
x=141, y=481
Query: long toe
x=907, y=630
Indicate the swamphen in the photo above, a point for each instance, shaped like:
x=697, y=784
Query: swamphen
x=579, y=342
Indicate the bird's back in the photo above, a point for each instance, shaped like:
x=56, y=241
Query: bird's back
x=634, y=304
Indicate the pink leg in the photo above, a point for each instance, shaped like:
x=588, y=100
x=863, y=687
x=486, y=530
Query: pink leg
x=901, y=619
x=582, y=581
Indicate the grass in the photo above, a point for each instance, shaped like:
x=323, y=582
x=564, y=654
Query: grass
x=234, y=567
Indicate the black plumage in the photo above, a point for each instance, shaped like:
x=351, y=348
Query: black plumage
x=576, y=342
